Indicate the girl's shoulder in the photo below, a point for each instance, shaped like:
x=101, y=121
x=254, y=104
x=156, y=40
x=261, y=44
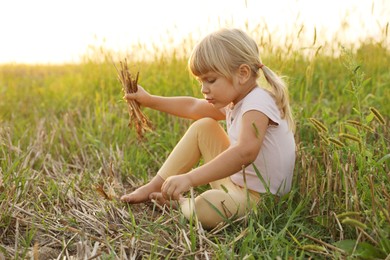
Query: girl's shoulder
x=261, y=91
x=261, y=96
x=262, y=100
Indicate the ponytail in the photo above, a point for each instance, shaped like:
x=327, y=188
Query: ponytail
x=280, y=92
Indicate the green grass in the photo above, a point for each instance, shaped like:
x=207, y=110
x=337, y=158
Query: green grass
x=63, y=133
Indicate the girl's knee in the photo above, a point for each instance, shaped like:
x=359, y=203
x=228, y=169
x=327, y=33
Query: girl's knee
x=204, y=123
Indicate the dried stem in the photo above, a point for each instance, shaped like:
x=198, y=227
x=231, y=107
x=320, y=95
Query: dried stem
x=129, y=85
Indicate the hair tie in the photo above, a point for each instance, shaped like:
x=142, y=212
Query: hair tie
x=260, y=65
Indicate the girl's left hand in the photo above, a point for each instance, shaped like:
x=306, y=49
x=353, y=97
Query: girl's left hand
x=174, y=186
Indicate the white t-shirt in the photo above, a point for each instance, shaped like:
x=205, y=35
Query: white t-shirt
x=276, y=158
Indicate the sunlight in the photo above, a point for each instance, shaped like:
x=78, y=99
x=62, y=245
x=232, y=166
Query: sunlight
x=45, y=31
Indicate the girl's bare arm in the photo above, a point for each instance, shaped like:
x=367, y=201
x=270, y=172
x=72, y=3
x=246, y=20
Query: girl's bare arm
x=186, y=107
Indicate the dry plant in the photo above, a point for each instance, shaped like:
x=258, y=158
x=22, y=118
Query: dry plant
x=129, y=85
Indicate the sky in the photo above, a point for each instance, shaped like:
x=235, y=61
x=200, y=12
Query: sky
x=61, y=31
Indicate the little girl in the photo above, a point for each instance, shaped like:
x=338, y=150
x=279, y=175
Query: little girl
x=259, y=133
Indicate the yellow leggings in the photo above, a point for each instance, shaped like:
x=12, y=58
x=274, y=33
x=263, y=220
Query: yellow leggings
x=206, y=139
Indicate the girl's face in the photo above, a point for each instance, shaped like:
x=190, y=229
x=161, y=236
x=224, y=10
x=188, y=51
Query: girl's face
x=218, y=90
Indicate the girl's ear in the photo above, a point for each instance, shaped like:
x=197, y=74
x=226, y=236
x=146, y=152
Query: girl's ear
x=244, y=73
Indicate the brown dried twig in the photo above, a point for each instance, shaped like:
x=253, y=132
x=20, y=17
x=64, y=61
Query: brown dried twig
x=129, y=85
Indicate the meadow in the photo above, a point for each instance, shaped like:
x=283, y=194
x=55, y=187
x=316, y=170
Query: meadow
x=67, y=154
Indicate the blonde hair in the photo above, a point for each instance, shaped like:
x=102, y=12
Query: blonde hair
x=224, y=51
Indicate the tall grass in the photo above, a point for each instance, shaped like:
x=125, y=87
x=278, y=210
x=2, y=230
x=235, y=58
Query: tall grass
x=66, y=154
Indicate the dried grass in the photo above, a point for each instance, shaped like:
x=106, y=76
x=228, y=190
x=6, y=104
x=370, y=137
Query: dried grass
x=83, y=222
x=138, y=119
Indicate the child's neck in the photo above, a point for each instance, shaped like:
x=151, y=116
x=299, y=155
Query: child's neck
x=245, y=92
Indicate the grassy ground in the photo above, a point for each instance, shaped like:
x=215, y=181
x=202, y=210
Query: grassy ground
x=66, y=155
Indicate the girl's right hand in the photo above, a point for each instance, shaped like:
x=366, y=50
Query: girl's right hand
x=141, y=96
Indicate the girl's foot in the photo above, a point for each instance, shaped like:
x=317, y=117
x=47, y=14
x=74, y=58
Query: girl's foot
x=142, y=193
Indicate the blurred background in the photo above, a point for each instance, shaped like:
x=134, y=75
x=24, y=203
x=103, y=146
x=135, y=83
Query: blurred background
x=59, y=31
